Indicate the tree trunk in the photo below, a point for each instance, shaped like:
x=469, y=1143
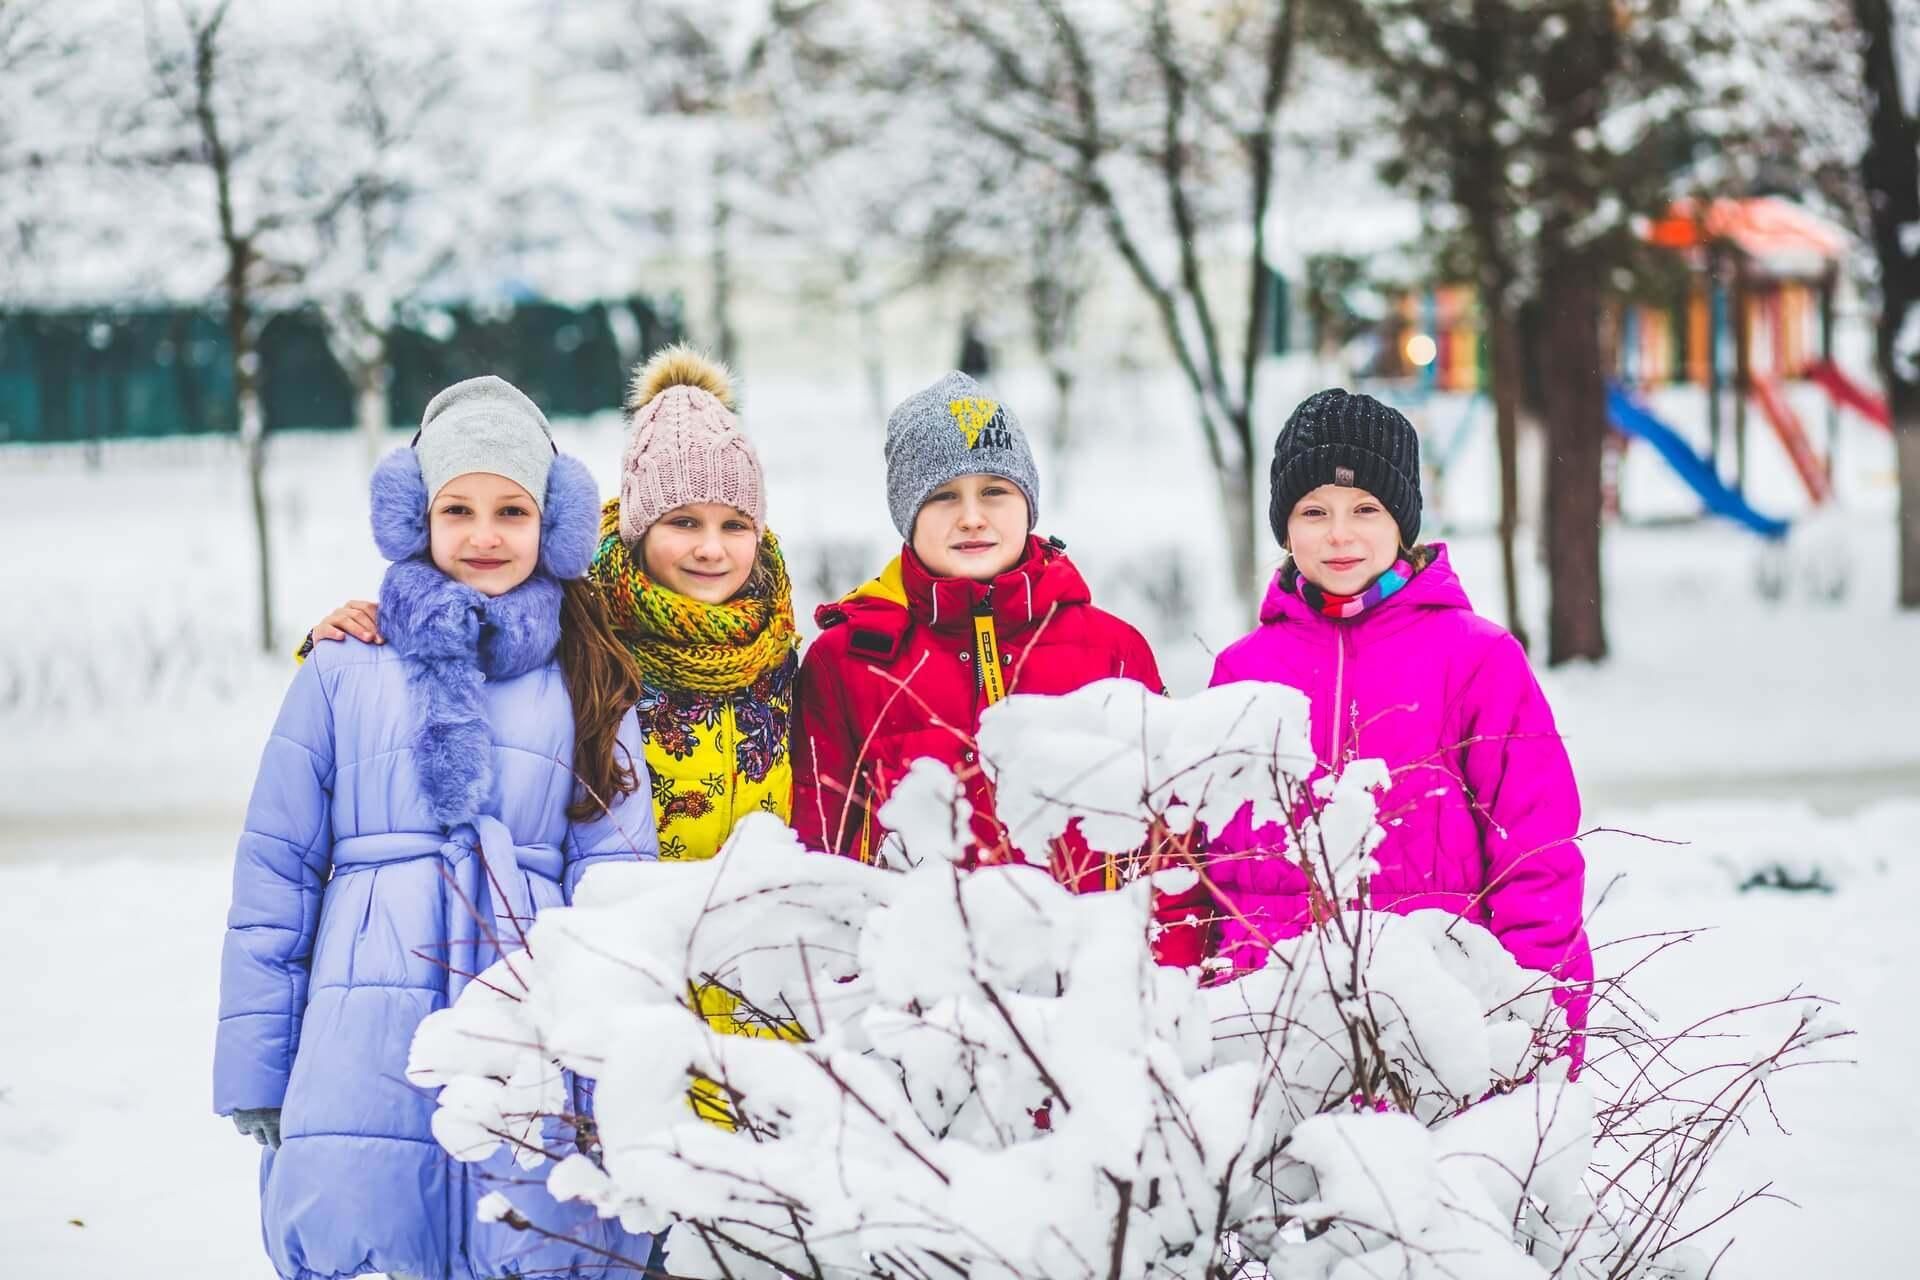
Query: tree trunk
x=1506, y=428
x=1061, y=430
x=1236, y=504
x=1890, y=169
x=1906, y=446
x=1576, y=432
x=252, y=422
x=253, y=437
x=1583, y=55
x=873, y=360
x=720, y=265
x=1482, y=188
x=239, y=299
x=372, y=413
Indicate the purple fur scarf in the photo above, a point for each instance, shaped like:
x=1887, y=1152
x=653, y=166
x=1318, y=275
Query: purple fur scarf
x=455, y=639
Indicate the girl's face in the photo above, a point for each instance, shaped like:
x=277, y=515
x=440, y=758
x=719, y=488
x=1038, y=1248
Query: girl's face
x=1342, y=538
x=972, y=527
x=484, y=530
x=703, y=550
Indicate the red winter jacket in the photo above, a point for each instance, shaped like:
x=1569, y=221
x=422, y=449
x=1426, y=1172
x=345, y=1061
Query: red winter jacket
x=892, y=679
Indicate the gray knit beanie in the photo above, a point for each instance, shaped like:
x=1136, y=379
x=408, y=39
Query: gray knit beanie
x=951, y=429
x=485, y=424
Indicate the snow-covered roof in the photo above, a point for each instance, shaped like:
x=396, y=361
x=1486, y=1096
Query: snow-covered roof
x=1782, y=238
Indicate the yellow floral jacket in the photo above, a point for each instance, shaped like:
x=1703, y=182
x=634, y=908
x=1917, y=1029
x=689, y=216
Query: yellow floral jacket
x=713, y=758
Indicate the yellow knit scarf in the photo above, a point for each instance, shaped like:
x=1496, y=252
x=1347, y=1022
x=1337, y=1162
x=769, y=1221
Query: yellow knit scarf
x=681, y=643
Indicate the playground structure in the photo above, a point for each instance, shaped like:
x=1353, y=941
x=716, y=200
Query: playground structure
x=1755, y=313
x=1763, y=275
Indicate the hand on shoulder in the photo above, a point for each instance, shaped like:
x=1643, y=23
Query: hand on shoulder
x=357, y=618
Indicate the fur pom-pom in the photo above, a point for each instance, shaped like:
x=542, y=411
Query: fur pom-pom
x=569, y=519
x=679, y=366
x=399, y=506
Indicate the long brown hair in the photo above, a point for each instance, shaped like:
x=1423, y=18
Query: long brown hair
x=603, y=682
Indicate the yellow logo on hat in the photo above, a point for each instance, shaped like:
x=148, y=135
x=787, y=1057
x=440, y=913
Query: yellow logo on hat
x=971, y=414
x=975, y=415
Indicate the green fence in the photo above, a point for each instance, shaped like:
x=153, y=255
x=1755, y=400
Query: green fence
x=124, y=373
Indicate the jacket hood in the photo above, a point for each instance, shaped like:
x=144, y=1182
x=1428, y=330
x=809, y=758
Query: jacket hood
x=907, y=593
x=1434, y=587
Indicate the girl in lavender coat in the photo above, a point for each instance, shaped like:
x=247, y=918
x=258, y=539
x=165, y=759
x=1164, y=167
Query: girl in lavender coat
x=1376, y=630
x=417, y=803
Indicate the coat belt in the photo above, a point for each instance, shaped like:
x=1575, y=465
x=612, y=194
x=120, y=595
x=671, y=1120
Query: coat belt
x=489, y=905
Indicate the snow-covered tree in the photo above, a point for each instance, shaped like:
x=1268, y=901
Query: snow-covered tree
x=1160, y=119
x=1534, y=131
x=977, y=1073
x=677, y=87
x=281, y=154
x=1890, y=176
x=420, y=205
x=212, y=132
x=40, y=146
x=909, y=200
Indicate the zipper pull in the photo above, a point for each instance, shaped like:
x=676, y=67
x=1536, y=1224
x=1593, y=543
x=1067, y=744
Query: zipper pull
x=1353, y=730
x=986, y=651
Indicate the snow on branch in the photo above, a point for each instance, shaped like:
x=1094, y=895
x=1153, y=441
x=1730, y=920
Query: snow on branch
x=931, y=1070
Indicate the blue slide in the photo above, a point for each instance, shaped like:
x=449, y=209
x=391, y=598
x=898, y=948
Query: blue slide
x=1633, y=418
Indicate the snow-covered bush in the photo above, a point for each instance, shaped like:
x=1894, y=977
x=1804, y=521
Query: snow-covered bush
x=979, y=1074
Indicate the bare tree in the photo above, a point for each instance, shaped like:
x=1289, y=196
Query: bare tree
x=38, y=50
x=1160, y=120
x=1585, y=54
x=1890, y=173
x=1214, y=86
x=695, y=65
x=190, y=66
x=1059, y=273
x=899, y=214
x=1451, y=77
x=227, y=131
x=1537, y=131
x=415, y=189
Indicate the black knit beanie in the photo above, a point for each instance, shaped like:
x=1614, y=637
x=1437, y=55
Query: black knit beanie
x=1335, y=437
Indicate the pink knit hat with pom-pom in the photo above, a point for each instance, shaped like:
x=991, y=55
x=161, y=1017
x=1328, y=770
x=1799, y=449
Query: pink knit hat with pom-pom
x=686, y=445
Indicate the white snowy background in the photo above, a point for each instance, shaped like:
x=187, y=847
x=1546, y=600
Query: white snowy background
x=1733, y=731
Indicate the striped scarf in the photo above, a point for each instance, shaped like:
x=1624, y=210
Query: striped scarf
x=681, y=643
x=1333, y=606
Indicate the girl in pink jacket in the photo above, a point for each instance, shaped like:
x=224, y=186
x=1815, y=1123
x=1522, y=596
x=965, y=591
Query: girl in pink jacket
x=1375, y=629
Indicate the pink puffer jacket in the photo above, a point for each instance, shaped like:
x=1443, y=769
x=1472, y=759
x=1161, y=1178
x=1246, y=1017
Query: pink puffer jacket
x=1482, y=812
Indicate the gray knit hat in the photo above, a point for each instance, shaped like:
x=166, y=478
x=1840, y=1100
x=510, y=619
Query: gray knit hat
x=951, y=429
x=485, y=424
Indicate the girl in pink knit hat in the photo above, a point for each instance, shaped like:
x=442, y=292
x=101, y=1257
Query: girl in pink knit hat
x=698, y=589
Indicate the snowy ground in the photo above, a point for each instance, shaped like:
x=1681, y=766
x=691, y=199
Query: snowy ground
x=132, y=709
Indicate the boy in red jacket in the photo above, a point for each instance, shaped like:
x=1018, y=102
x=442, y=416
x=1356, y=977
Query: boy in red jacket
x=973, y=608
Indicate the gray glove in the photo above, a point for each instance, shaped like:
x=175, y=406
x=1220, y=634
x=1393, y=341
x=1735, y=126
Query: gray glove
x=262, y=1124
